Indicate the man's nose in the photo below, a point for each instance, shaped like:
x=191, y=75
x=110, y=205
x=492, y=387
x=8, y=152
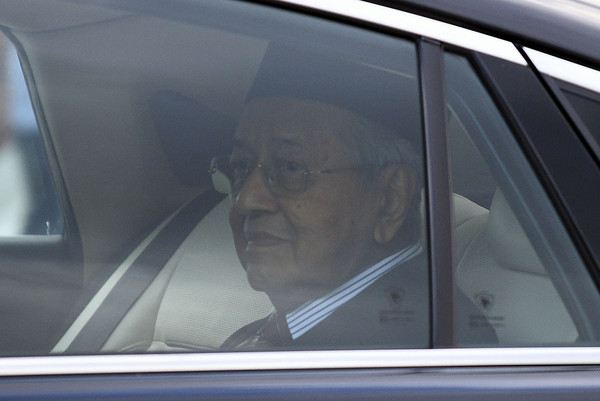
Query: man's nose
x=255, y=195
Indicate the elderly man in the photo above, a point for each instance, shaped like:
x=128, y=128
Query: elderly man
x=325, y=218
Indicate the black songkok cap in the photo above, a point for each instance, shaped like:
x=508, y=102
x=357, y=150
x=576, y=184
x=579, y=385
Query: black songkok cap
x=383, y=95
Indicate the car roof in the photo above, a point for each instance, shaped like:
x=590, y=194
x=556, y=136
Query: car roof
x=569, y=28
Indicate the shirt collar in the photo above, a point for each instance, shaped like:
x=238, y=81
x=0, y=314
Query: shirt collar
x=308, y=315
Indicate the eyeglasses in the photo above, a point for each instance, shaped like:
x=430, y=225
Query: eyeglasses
x=283, y=177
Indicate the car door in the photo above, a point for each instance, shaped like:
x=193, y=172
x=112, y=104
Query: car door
x=501, y=215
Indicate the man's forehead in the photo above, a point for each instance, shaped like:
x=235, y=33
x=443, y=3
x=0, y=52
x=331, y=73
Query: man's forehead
x=244, y=139
x=312, y=147
x=293, y=123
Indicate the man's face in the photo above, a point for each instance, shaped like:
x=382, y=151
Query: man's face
x=297, y=247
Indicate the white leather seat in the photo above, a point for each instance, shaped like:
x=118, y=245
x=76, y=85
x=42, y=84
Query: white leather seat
x=500, y=271
x=199, y=298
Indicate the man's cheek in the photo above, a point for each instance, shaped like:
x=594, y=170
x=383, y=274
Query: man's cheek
x=236, y=225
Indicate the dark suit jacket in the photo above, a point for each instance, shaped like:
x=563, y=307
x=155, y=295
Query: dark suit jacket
x=393, y=312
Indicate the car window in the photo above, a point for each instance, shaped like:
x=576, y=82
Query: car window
x=257, y=186
x=28, y=200
x=514, y=259
x=586, y=103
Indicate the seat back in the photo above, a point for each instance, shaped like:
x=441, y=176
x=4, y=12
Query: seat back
x=498, y=268
x=202, y=296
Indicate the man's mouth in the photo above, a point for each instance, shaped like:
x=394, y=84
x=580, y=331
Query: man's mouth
x=262, y=239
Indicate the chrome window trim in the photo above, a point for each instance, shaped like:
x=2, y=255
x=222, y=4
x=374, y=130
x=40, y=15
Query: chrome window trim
x=298, y=360
x=418, y=25
x=564, y=70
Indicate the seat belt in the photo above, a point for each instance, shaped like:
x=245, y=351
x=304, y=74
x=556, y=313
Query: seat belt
x=141, y=274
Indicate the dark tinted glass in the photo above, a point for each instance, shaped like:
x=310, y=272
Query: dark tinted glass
x=587, y=105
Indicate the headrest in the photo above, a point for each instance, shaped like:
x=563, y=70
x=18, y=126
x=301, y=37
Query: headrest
x=508, y=243
x=191, y=134
x=465, y=210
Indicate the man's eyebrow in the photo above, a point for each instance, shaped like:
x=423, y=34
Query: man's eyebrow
x=286, y=142
x=240, y=143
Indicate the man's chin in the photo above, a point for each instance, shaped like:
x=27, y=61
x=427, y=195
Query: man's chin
x=266, y=279
x=257, y=278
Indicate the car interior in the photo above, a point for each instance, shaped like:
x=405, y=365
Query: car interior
x=130, y=135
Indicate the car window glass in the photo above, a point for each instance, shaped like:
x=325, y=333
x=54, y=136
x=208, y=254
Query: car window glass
x=514, y=259
x=28, y=200
x=310, y=132
x=586, y=103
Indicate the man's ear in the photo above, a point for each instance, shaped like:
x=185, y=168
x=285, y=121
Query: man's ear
x=396, y=195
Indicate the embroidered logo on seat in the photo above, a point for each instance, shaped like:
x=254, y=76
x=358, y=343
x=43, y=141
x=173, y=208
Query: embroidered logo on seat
x=484, y=300
x=395, y=296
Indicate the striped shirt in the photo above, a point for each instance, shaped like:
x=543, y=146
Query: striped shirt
x=310, y=314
